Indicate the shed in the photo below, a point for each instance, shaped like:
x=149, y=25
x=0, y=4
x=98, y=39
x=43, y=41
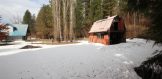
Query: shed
x=108, y=31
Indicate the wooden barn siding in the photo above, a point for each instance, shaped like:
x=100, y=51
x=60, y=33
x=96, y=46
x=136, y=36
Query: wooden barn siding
x=105, y=40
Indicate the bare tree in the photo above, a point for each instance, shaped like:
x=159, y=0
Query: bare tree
x=56, y=5
x=72, y=19
x=64, y=15
x=65, y=18
x=16, y=19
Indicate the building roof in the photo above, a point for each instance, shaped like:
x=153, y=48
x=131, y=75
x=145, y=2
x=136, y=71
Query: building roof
x=21, y=30
x=102, y=25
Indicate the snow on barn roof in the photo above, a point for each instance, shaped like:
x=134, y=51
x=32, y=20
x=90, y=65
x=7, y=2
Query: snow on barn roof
x=21, y=30
x=102, y=25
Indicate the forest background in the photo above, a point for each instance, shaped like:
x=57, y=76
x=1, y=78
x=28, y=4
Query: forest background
x=67, y=20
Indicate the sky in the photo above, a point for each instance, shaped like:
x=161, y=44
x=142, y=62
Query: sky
x=12, y=9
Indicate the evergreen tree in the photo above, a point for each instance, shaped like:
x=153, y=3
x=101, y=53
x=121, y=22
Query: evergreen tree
x=109, y=7
x=151, y=9
x=27, y=17
x=33, y=21
x=27, y=20
x=155, y=31
x=79, y=18
x=122, y=7
x=44, y=22
x=96, y=10
x=87, y=20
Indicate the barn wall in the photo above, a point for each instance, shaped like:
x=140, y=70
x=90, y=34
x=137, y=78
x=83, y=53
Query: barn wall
x=103, y=39
x=118, y=36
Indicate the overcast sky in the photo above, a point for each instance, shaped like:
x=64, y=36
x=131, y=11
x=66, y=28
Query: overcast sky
x=13, y=8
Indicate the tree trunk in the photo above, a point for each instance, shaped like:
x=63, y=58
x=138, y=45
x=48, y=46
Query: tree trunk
x=65, y=19
x=72, y=19
x=64, y=9
x=56, y=4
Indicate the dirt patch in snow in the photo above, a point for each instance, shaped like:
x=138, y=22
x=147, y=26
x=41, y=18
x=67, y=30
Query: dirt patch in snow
x=30, y=47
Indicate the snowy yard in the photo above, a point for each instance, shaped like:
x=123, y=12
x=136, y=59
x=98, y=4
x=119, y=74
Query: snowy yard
x=76, y=61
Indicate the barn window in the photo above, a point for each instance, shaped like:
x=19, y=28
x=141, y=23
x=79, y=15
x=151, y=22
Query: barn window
x=100, y=35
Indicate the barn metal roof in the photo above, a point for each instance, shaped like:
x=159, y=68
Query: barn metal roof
x=102, y=25
x=21, y=30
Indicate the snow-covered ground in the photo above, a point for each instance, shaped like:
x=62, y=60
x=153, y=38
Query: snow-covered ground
x=75, y=61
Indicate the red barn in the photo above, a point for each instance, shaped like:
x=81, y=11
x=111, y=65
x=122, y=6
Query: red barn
x=108, y=31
